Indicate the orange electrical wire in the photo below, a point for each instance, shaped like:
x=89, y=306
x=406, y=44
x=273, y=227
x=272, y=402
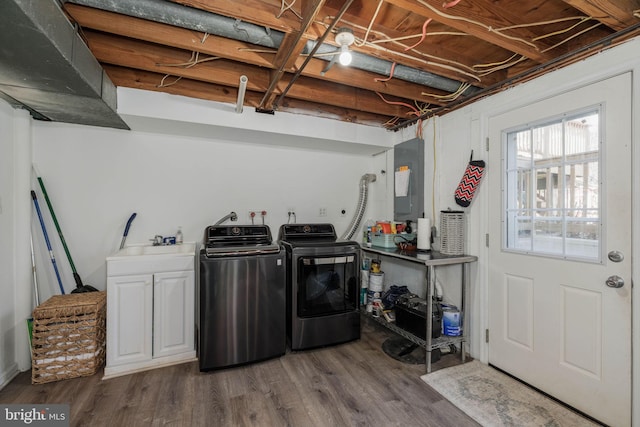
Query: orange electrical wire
x=414, y=112
x=424, y=33
x=379, y=79
x=450, y=4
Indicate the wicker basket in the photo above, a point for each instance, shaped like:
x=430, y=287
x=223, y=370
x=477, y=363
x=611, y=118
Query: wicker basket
x=68, y=337
x=452, y=232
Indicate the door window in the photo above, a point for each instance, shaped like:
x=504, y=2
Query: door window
x=553, y=190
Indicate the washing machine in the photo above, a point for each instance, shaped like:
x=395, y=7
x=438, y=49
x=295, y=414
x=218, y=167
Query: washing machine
x=242, y=280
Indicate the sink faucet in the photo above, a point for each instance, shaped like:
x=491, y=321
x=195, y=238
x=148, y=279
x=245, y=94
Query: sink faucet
x=157, y=240
x=232, y=216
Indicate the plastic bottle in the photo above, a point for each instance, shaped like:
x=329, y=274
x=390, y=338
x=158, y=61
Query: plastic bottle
x=367, y=231
x=179, y=237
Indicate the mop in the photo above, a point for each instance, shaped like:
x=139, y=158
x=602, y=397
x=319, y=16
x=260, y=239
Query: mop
x=46, y=239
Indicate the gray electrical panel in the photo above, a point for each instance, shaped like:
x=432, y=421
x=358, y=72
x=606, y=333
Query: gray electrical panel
x=408, y=166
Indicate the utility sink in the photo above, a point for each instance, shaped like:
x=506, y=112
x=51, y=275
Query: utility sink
x=148, y=259
x=185, y=248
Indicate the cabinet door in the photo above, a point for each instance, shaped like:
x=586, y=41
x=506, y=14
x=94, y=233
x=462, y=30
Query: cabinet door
x=129, y=319
x=173, y=315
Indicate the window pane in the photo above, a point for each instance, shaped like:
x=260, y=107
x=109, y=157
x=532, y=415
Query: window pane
x=521, y=192
x=583, y=236
x=547, y=188
x=524, y=152
x=521, y=231
x=548, y=232
x=547, y=142
x=582, y=135
x=582, y=187
x=524, y=189
x=552, y=198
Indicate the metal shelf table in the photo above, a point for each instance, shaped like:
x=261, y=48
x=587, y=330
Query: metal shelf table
x=430, y=260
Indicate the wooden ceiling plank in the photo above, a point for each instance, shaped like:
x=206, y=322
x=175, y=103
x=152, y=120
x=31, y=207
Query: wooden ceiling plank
x=615, y=14
x=364, y=80
x=146, y=80
x=165, y=34
x=489, y=13
x=181, y=38
x=290, y=50
x=429, y=51
x=254, y=11
x=165, y=60
x=134, y=54
x=349, y=89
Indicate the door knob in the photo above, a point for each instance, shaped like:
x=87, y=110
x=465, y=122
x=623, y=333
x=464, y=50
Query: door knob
x=615, y=281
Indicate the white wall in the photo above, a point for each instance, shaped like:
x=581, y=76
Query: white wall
x=185, y=171
x=15, y=280
x=7, y=301
x=177, y=115
x=96, y=178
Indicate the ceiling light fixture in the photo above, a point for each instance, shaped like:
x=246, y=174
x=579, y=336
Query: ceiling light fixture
x=344, y=38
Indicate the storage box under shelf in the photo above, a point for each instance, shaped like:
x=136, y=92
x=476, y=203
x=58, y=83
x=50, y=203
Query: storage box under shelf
x=68, y=337
x=390, y=240
x=414, y=319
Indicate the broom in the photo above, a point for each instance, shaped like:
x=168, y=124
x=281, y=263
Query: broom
x=80, y=287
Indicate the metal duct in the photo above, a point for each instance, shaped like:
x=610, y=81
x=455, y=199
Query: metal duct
x=362, y=205
x=199, y=20
x=46, y=67
x=170, y=13
x=402, y=72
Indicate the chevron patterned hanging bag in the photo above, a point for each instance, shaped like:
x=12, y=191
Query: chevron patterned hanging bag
x=469, y=182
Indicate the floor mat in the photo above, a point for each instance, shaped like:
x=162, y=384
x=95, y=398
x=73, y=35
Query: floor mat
x=495, y=399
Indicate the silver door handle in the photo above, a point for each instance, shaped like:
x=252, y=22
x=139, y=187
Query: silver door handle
x=615, y=281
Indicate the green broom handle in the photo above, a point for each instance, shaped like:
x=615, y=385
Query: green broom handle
x=55, y=222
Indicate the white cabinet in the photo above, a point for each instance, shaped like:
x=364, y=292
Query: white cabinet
x=173, y=320
x=129, y=319
x=150, y=310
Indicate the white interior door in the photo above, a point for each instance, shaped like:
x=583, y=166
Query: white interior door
x=560, y=226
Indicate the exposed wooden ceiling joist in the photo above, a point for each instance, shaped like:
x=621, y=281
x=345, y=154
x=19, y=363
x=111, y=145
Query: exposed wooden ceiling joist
x=174, y=64
x=616, y=14
x=289, y=50
x=415, y=56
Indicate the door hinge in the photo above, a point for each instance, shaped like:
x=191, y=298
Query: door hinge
x=486, y=240
x=486, y=335
x=487, y=144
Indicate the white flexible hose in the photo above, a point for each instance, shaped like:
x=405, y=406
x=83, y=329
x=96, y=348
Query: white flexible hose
x=362, y=204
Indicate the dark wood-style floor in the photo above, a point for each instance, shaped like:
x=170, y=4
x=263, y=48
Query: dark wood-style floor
x=353, y=384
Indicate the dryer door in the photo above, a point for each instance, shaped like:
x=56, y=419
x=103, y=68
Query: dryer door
x=327, y=284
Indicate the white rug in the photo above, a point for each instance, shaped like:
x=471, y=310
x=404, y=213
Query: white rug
x=495, y=399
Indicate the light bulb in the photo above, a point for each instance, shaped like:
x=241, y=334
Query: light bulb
x=345, y=55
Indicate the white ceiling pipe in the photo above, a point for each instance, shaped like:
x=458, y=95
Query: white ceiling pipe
x=241, y=91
